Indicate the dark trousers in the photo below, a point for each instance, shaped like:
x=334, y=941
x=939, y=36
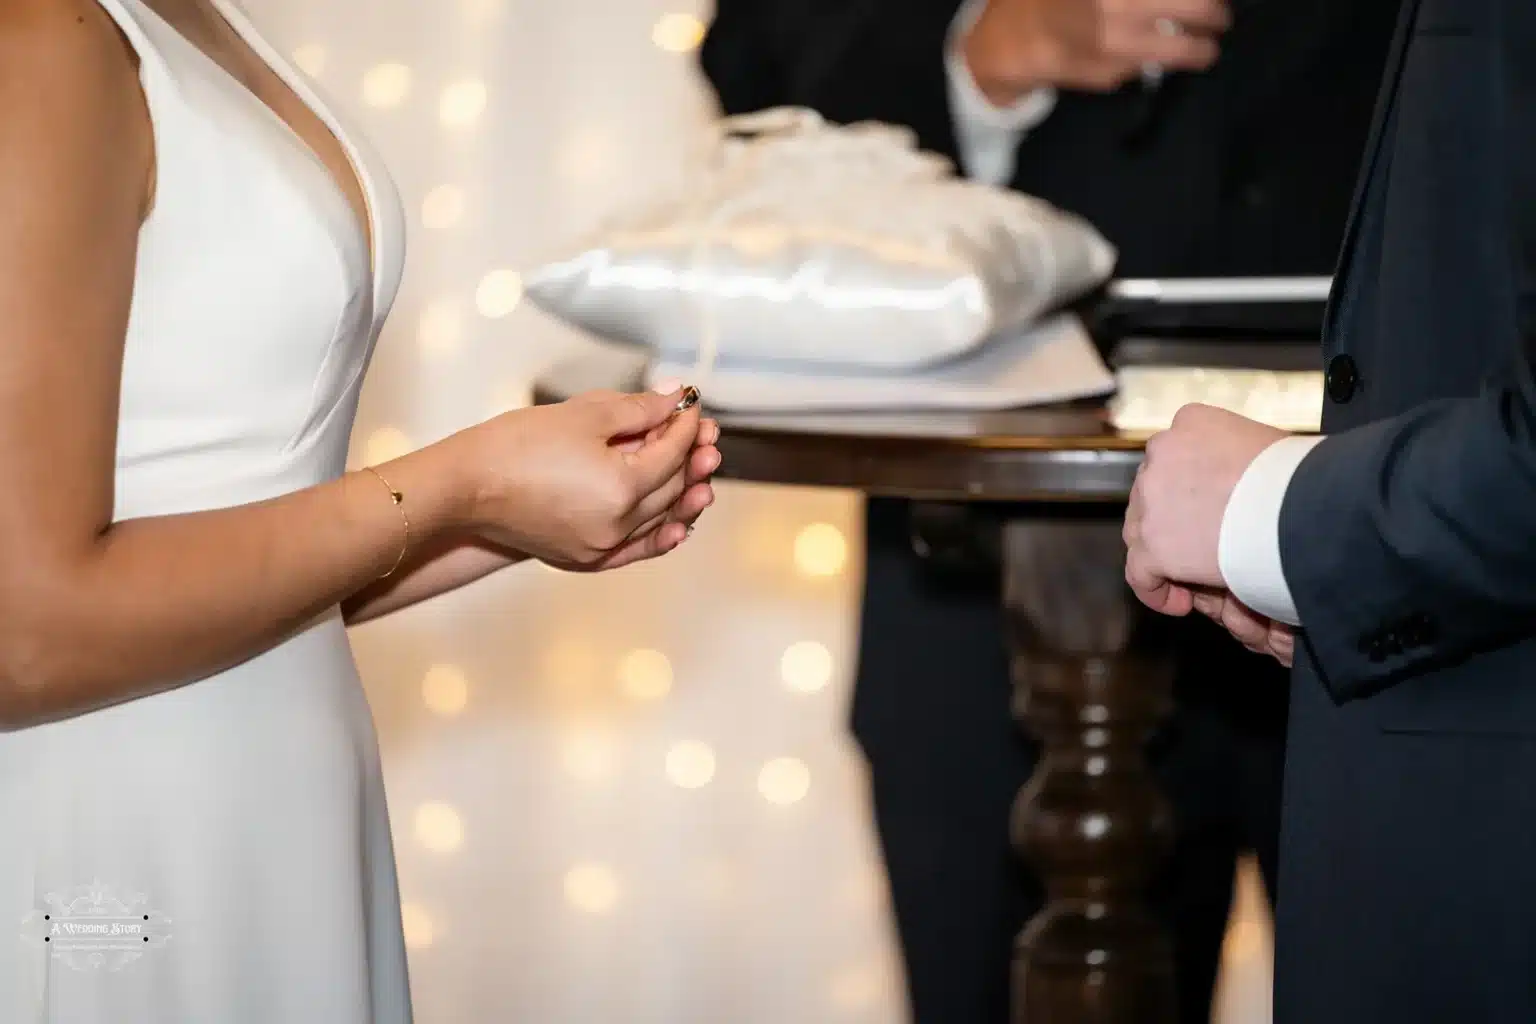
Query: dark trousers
x=932, y=713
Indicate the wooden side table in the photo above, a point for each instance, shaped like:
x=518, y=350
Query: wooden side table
x=1091, y=680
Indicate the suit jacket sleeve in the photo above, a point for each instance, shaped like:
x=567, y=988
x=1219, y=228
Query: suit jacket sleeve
x=1411, y=542
x=850, y=60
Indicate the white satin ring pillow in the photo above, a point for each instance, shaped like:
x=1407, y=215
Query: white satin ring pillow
x=805, y=242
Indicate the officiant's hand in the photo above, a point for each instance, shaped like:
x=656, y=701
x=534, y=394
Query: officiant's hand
x=1018, y=46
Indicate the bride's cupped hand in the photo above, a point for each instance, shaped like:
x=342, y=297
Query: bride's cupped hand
x=593, y=483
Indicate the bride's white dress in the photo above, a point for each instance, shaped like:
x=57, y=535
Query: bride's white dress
x=220, y=853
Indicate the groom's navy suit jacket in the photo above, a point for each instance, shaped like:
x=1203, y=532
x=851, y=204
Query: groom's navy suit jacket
x=1408, y=858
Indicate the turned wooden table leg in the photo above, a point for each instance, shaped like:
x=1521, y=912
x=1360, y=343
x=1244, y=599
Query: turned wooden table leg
x=1089, y=683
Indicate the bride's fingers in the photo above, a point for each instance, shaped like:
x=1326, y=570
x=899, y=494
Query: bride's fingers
x=709, y=434
x=702, y=464
x=651, y=545
x=658, y=503
x=649, y=526
x=685, y=510
x=692, y=504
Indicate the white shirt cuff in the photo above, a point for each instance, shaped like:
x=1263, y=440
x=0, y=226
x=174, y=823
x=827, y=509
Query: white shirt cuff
x=1248, y=552
x=988, y=135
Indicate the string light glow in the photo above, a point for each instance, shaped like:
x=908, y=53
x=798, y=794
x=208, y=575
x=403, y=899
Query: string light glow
x=821, y=550
x=310, y=59
x=646, y=675
x=592, y=888
x=571, y=666
x=445, y=690
x=386, y=85
x=691, y=765
x=806, y=667
x=439, y=827
x=678, y=33
x=462, y=104
x=499, y=293
x=784, y=781
x=420, y=929
x=385, y=444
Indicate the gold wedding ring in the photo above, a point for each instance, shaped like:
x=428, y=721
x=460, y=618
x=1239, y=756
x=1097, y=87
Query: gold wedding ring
x=689, y=400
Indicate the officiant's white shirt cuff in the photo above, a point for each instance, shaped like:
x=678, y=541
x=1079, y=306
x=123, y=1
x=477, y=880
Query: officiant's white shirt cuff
x=1248, y=552
x=988, y=135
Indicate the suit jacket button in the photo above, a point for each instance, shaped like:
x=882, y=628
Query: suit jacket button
x=1342, y=378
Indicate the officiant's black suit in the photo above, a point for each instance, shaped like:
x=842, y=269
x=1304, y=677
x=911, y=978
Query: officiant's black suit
x=1245, y=170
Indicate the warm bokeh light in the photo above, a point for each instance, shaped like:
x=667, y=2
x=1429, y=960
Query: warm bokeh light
x=445, y=690
x=821, y=550
x=587, y=757
x=678, y=33
x=420, y=929
x=462, y=103
x=806, y=667
x=499, y=293
x=481, y=10
x=858, y=989
x=443, y=207
x=592, y=888
x=439, y=827
x=384, y=445
x=440, y=331
x=571, y=666
x=310, y=59
x=784, y=781
x=386, y=85
x=691, y=765
x=645, y=675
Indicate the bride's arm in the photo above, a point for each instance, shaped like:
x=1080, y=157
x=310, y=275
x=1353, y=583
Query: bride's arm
x=95, y=612
x=443, y=567
x=455, y=562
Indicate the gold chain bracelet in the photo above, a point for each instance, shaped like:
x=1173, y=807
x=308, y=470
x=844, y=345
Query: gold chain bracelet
x=399, y=501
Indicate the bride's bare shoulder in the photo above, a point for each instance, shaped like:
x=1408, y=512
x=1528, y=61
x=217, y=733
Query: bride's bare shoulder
x=81, y=29
x=69, y=94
